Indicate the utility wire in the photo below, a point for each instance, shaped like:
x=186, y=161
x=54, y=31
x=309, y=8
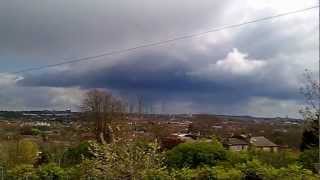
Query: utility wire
x=189, y=36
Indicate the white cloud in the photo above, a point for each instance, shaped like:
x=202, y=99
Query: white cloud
x=237, y=63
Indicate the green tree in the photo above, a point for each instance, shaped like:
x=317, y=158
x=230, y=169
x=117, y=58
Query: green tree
x=73, y=156
x=309, y=158
x=27, y=151
x=194, y=154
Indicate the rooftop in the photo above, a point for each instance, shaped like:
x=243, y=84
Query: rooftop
x=235, y=141
x=261, y=141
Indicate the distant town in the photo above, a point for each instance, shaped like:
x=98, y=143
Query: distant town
x=237, y=132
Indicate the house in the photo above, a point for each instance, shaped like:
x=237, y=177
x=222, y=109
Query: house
x=262, y=143
x=184, y=136
x=236, y=144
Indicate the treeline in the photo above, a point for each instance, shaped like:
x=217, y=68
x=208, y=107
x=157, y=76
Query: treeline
x=144, y=160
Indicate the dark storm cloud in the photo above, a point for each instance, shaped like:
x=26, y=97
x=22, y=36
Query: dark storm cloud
x=159, y=76
x=186, y=73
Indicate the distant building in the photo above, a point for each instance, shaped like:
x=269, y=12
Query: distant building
x=236, y=144
x=262, y=143
x=184, y=136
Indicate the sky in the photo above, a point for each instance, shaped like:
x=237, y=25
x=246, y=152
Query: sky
x=256, y=69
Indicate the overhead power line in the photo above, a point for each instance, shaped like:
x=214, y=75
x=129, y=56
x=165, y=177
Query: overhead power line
x=158, y=43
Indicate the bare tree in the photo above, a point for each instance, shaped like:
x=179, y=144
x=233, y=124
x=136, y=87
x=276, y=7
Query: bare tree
x=311, y=92
x=103, y=109
x=311, y=112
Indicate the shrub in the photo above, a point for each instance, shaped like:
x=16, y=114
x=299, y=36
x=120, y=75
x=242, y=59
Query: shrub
x=20, y=152
x=73, y=156
x=35, y=131
x=205, y=172
x=51, y=171
x=155, y=174
x=256, y=170
x=227, y=173
x=129, y=160
x=196, y=154
x=234, y=158
x=24, y=171
x=277, y=160
x=309, y=158
x=182, y=174
x=296, y=172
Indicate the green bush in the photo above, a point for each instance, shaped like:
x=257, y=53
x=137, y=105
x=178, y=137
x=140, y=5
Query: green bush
x=51, y=171
x=227, y=173
x=309, y=158
x=73, y=156
x=234, y=158
x=155, y=174
x=256, y=170
x=277, y=160
x=205, y=172
x=196, y=154
x=35, y=131
x=24, y=171
x=19, y=152
x=296, y=172
x=183, y=174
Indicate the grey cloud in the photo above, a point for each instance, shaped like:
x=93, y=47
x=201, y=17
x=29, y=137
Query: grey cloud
x=48, y=31
x=34, y=33
x=164, y=76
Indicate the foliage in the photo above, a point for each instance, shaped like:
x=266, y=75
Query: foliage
x=227, y=173
x=22, y=171
x=310, y=136
x=43, y=158
x=296, y=172
x=277, y=160
x=309, y=158
x=19, y=152
x=311, y=113
x=142, y=160
x=256, y=170
x=27, y=151
x=73, y=156
x=194, y=154
x=125, y=160
x=51, y=170
x=206, y=172
x=155, y=174
x=234, y=158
